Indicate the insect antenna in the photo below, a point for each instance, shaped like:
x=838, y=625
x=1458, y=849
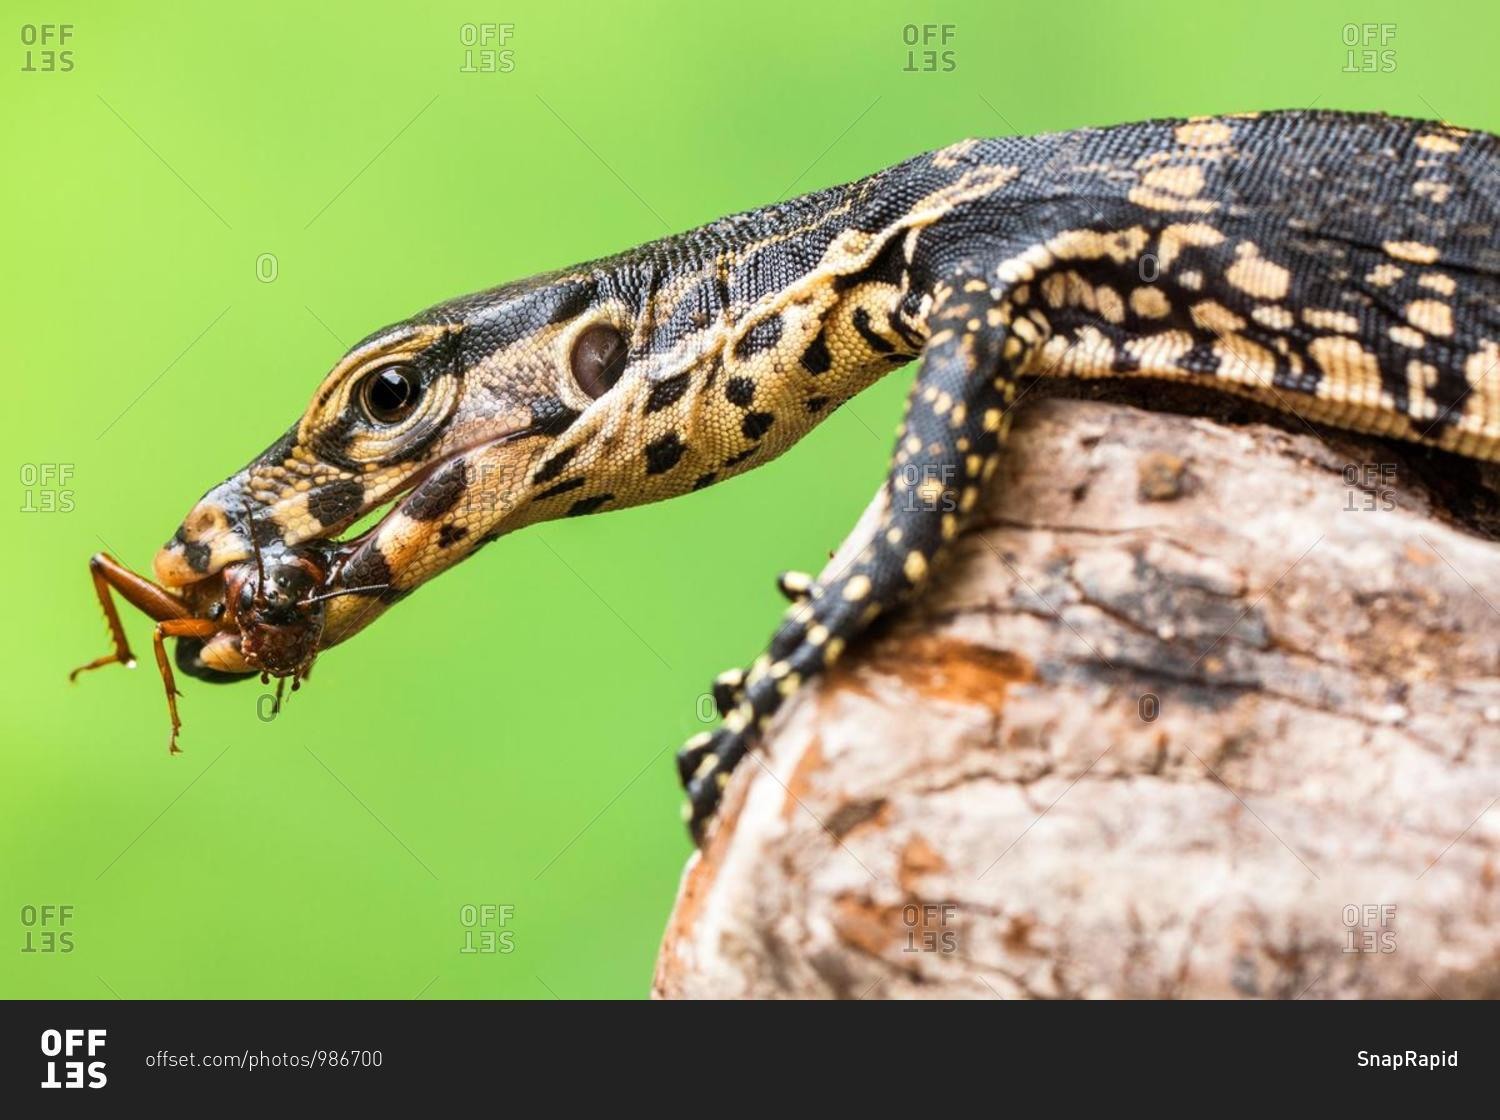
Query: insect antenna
x=310, y=600
x=260, y=568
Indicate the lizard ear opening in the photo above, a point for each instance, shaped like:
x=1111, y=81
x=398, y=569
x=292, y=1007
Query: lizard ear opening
x=598, y=359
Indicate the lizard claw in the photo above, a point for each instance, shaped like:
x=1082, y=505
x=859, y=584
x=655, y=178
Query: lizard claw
x=729, y=690
x=691, y=756
x=795, y=586
x=704, y=765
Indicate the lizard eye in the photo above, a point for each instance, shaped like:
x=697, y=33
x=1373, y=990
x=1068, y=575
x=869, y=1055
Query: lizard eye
x=598, y=359
x=388, y=395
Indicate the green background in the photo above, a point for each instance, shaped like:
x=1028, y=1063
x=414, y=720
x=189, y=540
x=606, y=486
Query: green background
x=506, y=736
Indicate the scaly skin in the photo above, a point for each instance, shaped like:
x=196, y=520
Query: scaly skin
x=1345, y=268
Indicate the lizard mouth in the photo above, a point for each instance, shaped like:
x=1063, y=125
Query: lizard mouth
x=215, y=534
x=392, y=503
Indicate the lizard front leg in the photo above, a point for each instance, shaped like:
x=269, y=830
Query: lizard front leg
x=956, y=416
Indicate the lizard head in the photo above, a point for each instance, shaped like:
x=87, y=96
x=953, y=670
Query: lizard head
x=511, y=392
x=384, y=407
x=516, y=366
x=625, y=381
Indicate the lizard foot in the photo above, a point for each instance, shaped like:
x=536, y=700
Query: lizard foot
x=704, y=765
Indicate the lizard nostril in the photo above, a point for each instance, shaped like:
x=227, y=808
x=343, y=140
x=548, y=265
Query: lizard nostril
x=202, y=520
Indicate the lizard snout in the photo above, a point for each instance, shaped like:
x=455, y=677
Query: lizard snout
x=206, y=541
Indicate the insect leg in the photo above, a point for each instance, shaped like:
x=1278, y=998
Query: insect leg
x=176, y=628
x=139, y=592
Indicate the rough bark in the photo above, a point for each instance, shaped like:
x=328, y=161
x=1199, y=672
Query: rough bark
x=1196, y=710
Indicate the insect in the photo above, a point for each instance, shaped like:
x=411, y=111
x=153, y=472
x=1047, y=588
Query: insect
x=264, y=614
x=1339, y=268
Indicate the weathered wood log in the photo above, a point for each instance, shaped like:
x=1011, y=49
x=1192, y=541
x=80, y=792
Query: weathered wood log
x=1196, y=710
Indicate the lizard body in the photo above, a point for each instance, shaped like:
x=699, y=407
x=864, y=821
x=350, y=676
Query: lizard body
x=1344, y=268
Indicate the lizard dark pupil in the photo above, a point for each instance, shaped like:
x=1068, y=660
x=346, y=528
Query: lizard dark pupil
x=390, y=395
x=598, y=359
